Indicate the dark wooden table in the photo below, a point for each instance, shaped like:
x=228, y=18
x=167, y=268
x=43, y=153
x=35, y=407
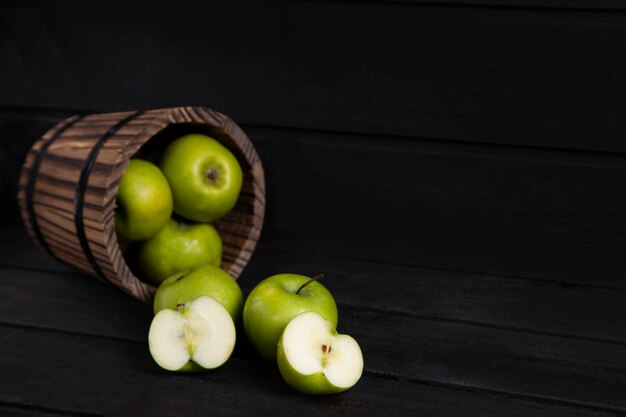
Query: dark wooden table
x=456, y=168
x=436, y=342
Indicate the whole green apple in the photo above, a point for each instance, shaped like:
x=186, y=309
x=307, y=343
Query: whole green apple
x=144, y=201
x=314, y=359
x=204, y=280
x=278, y=299
x=204, y=176
x=179, y=246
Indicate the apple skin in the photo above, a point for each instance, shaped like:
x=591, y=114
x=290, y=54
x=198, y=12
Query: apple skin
x=313, y=384
x=191, y=367
x=179, y=247
x=274, y=302
x=144, y=201
x=204, y=280
x=204, y=176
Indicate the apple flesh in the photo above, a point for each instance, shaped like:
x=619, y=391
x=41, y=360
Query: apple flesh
x=204, y=280
x=204, y=176
x=144, y=201
x=314, y=359
x=275, y=301
x=179, y=247
x=199, y=334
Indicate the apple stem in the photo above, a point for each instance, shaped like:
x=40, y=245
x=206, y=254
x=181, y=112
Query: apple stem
x=315, y=278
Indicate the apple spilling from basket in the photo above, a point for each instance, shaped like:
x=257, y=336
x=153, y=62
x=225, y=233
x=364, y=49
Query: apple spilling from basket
x=164, y=213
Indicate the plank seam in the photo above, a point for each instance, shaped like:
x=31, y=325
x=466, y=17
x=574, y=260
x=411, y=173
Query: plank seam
x=564, y=284
x=48, y=410
x=503, y=327
x=478, y=4
x=41, y=112
x=552, y=402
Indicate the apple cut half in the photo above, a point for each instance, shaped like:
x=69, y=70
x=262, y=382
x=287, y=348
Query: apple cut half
x=199, y=335
x=314, y=359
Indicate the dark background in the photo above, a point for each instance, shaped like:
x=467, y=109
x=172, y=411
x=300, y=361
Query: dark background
x=467, y=157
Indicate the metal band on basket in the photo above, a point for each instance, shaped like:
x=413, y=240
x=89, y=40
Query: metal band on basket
x=82, y=184
x=30, y=188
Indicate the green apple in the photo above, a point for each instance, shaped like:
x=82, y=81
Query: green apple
x=144, y=201
x=314, y=359
x=198, y=334
x=204, y=280
x=179, y=247
x=278, y=299
x=204, y=176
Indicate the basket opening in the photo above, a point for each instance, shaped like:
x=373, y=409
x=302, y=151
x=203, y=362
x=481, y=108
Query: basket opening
x=234, y=228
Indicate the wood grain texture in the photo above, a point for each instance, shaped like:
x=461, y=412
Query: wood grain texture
x=63, y=213
x=242, y=387
x=404, y=337
x=549, y=308
x=538, y=77
x=535, y=213
x=455, y=167
x=511, y=211
x=523, y=4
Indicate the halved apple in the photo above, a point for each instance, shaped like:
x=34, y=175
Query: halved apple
x=199, y=335
x=314, y=359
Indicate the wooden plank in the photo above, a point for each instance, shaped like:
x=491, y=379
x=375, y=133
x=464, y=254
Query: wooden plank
x=509, y=211
x=525, y=4
x=531, y=306
x=409, y=330
x=527, y=213
x=75, y=303
x=581, y=373
x=126, y=374
x=545, y=214
x=17, y=249
x=498, y=75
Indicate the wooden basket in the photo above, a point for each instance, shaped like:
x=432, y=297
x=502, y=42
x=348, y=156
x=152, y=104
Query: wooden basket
x=68, y=188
